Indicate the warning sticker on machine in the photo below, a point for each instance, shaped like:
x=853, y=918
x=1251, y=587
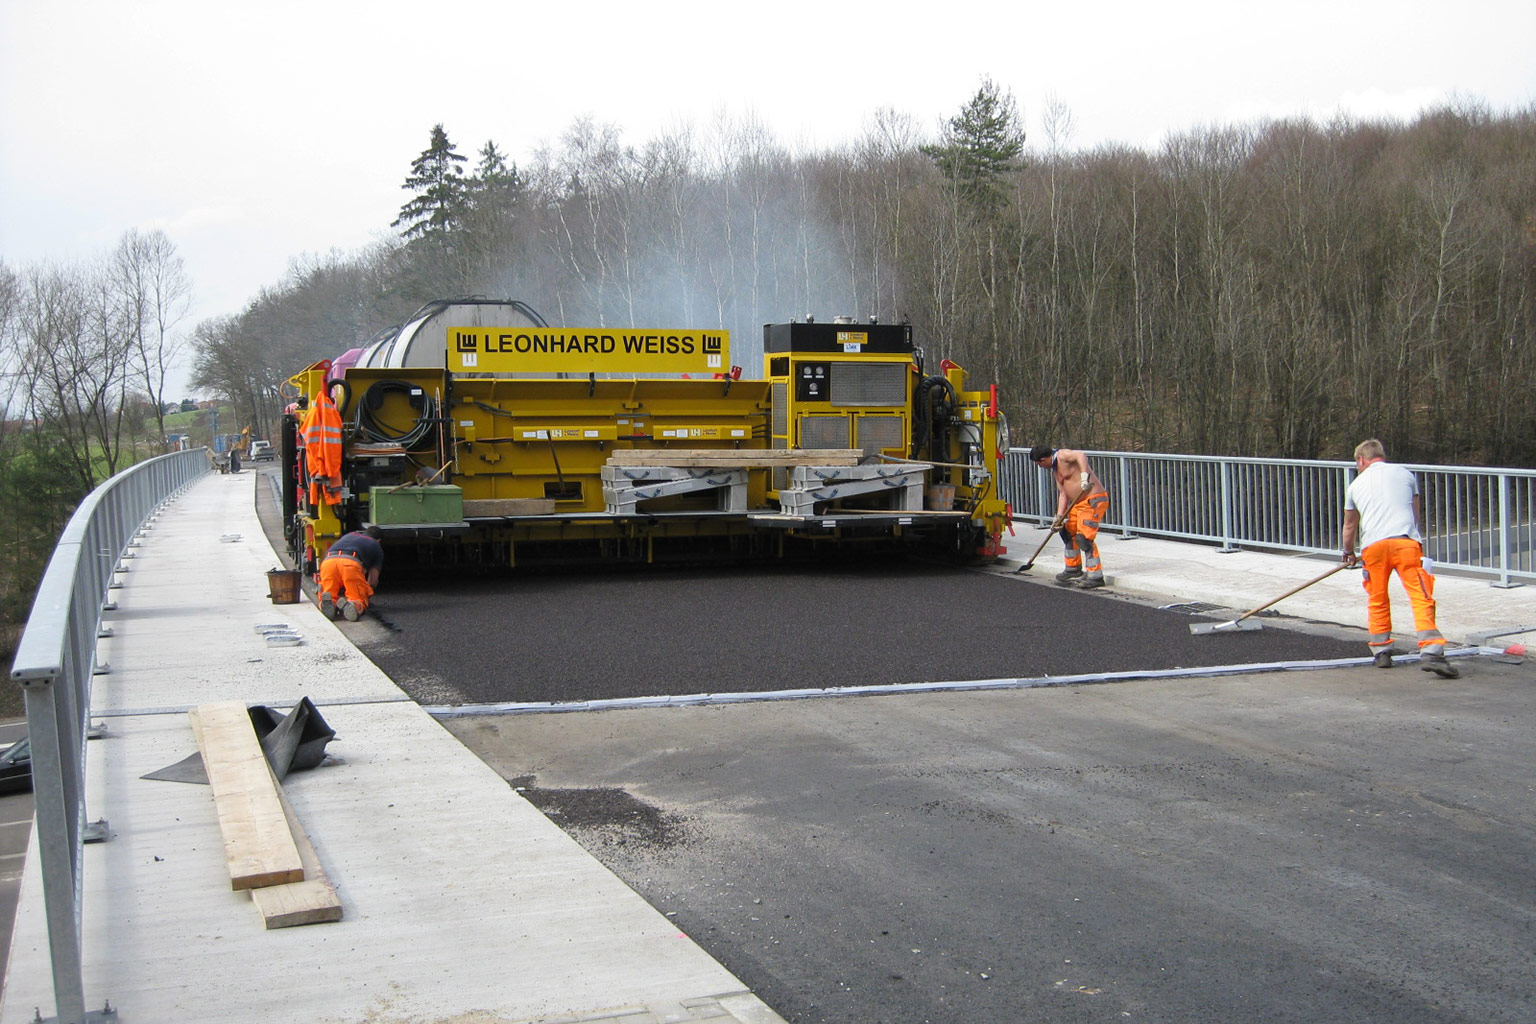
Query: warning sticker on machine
x=584, y=350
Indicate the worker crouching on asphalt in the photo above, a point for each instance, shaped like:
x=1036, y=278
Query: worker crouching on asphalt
x=349, y=573
x=1081, y=503
x=1382, y=507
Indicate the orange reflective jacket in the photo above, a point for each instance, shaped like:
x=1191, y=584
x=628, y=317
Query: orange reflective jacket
x=321, y=434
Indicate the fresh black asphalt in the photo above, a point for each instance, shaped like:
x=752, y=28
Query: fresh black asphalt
x=583, y=635
x=603, y=635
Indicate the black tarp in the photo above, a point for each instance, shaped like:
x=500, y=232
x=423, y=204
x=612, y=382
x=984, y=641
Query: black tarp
x=294, y=741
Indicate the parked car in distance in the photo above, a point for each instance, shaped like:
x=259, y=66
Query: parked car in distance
x=261, y=451
x=16, y=767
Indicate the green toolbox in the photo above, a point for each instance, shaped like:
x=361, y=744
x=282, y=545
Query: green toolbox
x=408, y=506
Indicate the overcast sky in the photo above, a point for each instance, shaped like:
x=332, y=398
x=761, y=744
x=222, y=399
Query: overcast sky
x=252, y=133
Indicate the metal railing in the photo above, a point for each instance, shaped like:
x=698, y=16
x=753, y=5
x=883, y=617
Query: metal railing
x=1481, y=522
x=55, y=660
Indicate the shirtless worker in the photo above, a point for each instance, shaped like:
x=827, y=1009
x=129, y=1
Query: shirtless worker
x=1081, y=502
x=349, y=573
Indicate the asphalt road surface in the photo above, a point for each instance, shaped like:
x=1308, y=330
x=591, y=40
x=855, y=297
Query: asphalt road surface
x=1344, y=846
x=602, y=635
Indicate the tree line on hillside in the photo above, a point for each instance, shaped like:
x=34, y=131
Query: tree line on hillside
x=86, y=350
x=1278, y=289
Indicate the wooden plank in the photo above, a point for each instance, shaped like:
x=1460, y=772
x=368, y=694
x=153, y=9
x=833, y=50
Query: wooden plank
x=746, y=458
x=926, y=513
x=508, y=507
x=258, y=846
x=312, y=901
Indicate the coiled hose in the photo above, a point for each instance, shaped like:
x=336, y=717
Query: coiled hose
x=368, y=425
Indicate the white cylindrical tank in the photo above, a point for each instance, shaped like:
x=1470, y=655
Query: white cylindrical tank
x=423, y=340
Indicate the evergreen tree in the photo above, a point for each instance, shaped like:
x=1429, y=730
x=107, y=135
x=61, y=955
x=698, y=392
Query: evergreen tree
x=438, y=185
x=980, y=145
x=494, y=174
x=495, y=190
x=492, y=201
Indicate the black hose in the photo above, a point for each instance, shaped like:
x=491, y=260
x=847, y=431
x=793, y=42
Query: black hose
x=346, y=394
x=936, y=401
x=369, y=427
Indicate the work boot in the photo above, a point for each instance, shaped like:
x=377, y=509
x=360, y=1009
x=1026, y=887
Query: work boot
x=1383, y=659
x=327, y=604
x=1437, y=664
x=349, y=611
x=1092, y=581
x=1066, y=577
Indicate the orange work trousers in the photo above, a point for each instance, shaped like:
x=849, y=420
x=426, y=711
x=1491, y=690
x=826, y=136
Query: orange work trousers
x=1405, y=557
x=1082, y=530
x=344, y=574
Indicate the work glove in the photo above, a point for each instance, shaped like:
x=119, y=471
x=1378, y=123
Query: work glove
x=1058, y=523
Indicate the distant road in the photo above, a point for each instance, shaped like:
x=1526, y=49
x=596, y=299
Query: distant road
x=15, y=832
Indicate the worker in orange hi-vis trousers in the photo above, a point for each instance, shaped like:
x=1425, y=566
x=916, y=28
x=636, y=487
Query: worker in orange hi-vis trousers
x=349, y=573
x=1382, y=507
x=320, y=434
x=1081, y=504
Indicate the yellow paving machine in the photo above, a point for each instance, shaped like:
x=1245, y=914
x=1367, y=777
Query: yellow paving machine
x=477, y=435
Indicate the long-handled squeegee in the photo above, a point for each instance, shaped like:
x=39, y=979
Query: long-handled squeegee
x=1242, y=624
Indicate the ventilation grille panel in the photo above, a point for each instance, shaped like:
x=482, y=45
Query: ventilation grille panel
x=877, y=433
x=824, y=432
x=858, y=384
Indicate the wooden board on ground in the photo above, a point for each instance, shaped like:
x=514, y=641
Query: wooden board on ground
x=736, y=457
x=258, y=845
x=312, y=901
x=508, y=507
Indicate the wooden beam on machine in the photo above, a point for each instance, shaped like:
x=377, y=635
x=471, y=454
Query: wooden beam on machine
x=723, y=458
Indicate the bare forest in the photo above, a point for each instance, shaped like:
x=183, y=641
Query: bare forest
x=1277, y=289
x=1281, y=289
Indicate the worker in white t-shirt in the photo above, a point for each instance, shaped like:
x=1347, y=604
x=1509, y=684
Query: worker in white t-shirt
x=1381, y=508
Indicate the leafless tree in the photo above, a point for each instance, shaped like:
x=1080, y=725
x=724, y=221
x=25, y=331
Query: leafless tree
x=156, y=295
x=75, y=350
x=10, y=313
